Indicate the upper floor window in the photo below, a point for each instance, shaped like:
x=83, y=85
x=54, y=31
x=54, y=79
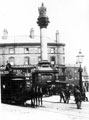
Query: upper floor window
x=75, y=71
x=11, y=50
x=39, y=58
x=39, y=50
x=63, y=50
x=63, y=60
x=26, y=60
x=12, y=60
x=52, y=50
x=26, y=50
x=52, y=60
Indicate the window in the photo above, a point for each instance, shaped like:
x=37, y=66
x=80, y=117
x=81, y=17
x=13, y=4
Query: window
x=75, y=71
x=63, y=60
x=63, y=50
x=26, y=50
x=52, y=60
x=39, y=50
x=12, y=61
x=26, y=61
x=52, y=50
x=11, y=50
x=39, y=58
x=76, y=78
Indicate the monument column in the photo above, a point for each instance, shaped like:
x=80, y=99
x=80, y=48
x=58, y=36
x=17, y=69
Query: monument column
x=42, y=22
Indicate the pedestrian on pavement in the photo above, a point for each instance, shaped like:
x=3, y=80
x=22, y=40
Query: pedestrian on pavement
x=78, y=97
x=62, y=96
x=84, y=97
x=67, y=94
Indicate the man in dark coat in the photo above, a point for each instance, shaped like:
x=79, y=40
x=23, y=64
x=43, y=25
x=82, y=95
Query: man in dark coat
x=8, y=66
x=77, y=95
x=62, y=96
x=67, y=94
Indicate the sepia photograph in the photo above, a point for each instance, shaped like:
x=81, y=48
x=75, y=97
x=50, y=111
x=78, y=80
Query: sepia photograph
x=44, y=59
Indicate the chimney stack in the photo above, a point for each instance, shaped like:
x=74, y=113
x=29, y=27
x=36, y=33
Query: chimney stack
x=5, y=34
x=57, y=36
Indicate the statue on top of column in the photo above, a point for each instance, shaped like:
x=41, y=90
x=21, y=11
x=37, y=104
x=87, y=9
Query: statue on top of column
x=42, y=11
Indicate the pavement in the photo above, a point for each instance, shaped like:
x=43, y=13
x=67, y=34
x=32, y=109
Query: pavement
x=9, y=112
x=52, y=109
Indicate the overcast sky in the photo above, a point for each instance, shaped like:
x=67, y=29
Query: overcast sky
x=70, y=17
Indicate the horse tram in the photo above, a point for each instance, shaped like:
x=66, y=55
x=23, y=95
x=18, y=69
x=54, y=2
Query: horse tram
x=20, y=84
x=16, y=84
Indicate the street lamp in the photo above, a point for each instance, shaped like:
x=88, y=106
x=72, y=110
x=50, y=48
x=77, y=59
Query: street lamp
x=80, y=70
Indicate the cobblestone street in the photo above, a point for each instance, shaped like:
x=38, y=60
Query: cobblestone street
x=51, y=109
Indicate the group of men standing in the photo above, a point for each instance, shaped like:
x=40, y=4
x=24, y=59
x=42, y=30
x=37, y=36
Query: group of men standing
x=65, y=95
x=37, y=94
x=78, y=95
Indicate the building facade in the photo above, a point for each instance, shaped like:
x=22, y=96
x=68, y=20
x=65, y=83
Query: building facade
x=72, y=76
x=26, y=50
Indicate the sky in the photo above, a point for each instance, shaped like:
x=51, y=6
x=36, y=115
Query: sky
x=70, y=17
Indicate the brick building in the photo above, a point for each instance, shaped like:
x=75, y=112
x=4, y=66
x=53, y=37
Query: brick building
x=72, y=76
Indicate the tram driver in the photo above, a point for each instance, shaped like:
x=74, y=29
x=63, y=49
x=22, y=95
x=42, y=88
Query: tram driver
x=8, y=67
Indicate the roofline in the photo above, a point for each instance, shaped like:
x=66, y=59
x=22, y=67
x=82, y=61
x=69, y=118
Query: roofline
x=27, y=44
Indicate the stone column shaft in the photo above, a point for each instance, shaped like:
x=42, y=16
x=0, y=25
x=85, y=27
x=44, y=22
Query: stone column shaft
x=43, y=40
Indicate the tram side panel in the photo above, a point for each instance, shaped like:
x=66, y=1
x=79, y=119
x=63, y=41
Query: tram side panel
x=5, y=89
x=13, y=89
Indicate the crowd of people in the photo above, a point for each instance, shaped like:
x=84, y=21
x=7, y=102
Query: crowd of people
x=37, y=95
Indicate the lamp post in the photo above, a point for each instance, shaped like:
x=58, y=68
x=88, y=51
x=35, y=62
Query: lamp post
x=80, y=70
